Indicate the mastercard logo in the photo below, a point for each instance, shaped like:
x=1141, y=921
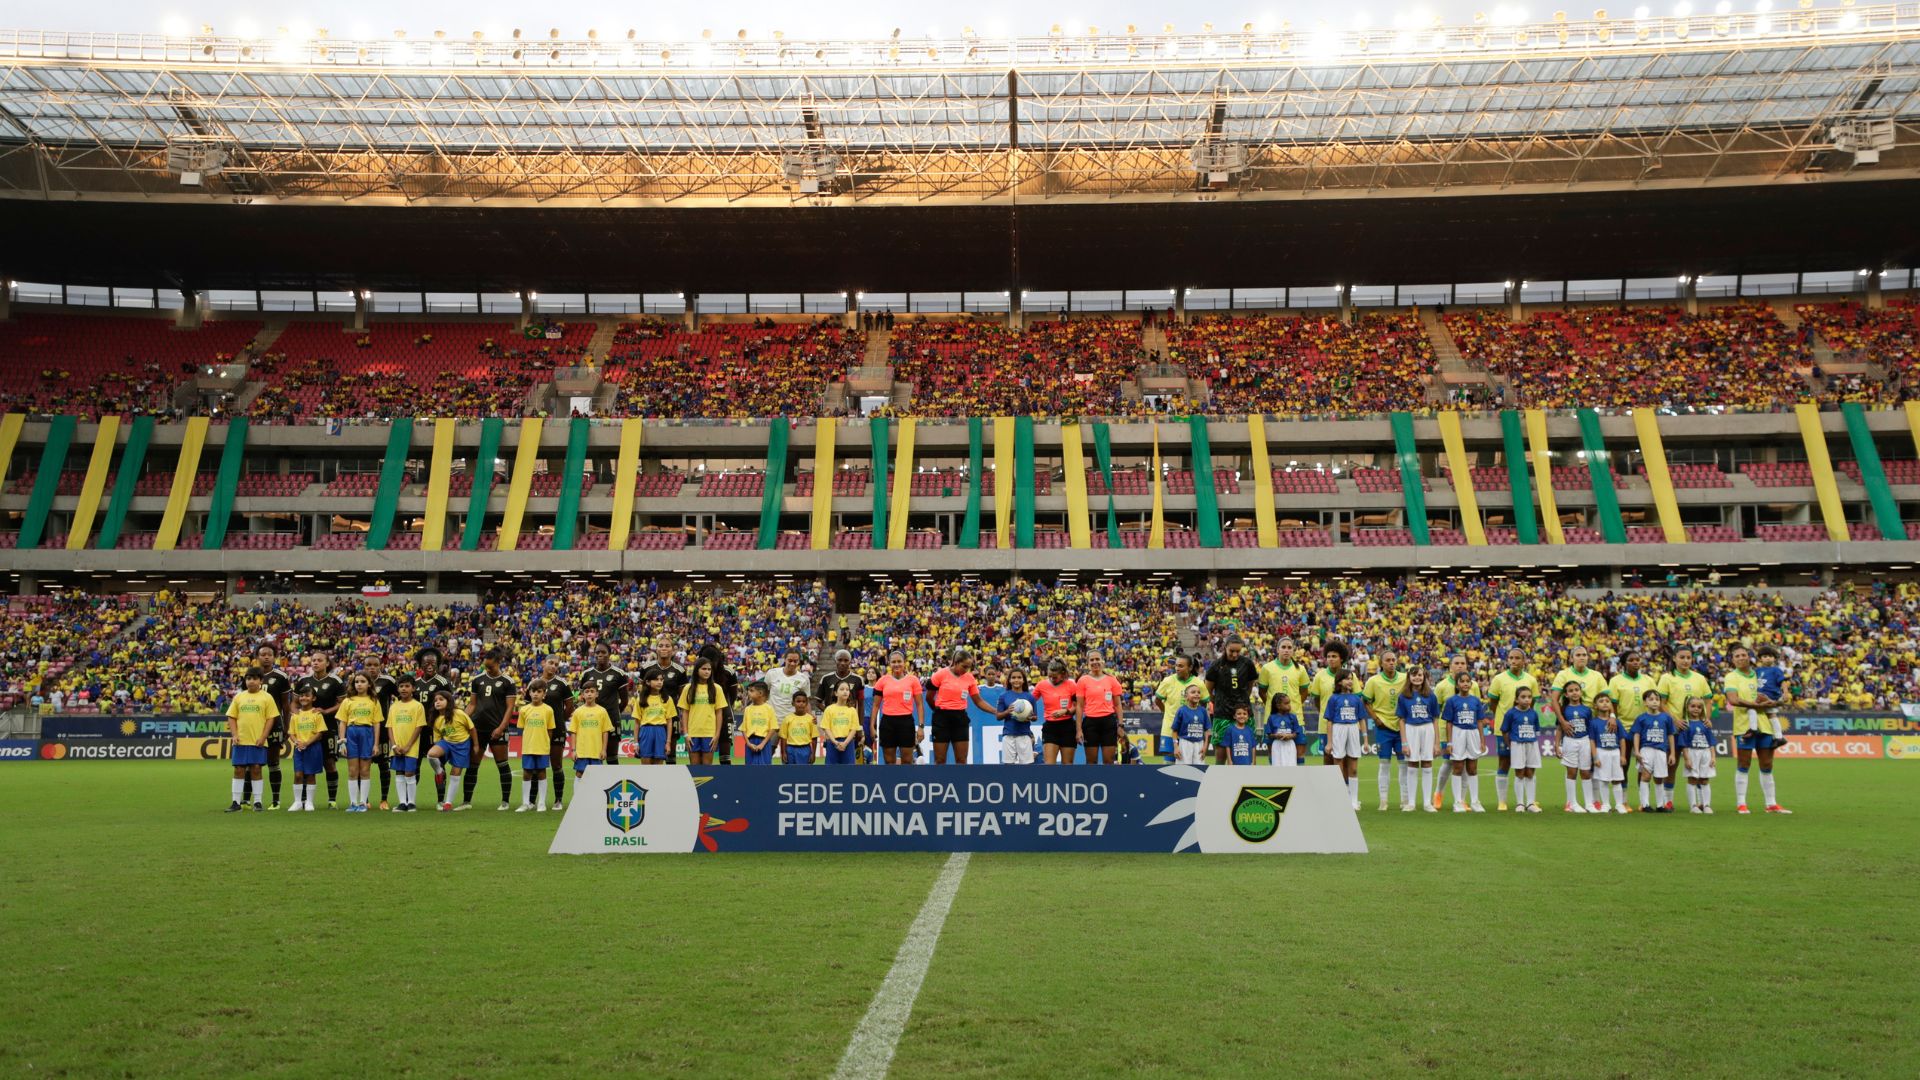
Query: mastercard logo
x=53, y=751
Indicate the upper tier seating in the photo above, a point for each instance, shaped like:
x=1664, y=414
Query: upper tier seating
x=96, y=365
x=1306, y=364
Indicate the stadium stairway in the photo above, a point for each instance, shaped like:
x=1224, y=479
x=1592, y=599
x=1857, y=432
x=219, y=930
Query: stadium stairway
x=1154, y=340
x=1451, y=362
x=1822, y=351
x=878, y=344
x=598, y=346
x=262, y=344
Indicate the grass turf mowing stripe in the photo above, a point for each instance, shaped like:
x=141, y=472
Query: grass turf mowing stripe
x=870, y=1051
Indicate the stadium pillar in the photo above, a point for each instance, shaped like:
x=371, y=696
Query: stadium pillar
x=1693, y=294
x=691, y=313
x=1014, y=297
x=1180, y=304
x=1513, y=301
x=1874, y=300
x=1346, y=304
x=360, y=309
x=526, y=309
x=6, y=300
x=851, y=320
x=192, y=305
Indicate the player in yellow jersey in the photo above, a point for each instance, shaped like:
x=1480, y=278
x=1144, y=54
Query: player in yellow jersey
x=406, y=733
x=1756, y=726
x=840, y=723
x=1280, y=675
x=798, y=732
x=307, y=730
x=1679, y=685
x=536, y=748
x=1382, y=694
x=1592, y=684
x=1504, y=688
x=592, y=726
x=759, y=725
x=453, y=742
x=250, y=719
x=1629, y=687
x=1172, y=695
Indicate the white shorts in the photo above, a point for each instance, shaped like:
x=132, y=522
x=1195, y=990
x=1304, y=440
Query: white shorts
x=1284, y=752
x=1654, y=760
x=1189, y=753
x=1466, y=744
x=1700, y=763
x=1017, y=750
x=1416, y=741
x=1523, y=755
x=1576, y=753
x=1607, y=768
x=1344, y=741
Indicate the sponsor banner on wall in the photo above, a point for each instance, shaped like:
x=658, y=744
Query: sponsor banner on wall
x=19, y=749
x=72, y=727
x=1850, y=747
x=203, y=749
x=1903, y=747
x=106, y=750
x=1178, y=808
x=1853, y=723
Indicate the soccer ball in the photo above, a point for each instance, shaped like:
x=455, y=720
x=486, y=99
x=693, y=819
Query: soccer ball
x=1022, y=709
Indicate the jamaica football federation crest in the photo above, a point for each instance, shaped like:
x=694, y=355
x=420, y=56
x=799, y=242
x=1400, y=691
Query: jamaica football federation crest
x=626, y=805
x=1256, y=814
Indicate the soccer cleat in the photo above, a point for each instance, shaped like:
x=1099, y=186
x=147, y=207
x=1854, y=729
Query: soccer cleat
x=1599, y=808
x=1693, y=810
x=463, y=806
x=445, y=806
x=522, y=809
x=384, y=806
x=1406, y=808
x=1503, y=805
x=1574, y=808
x=1356, y=804
x=1776, y=808
x=503, y=806
x=257, y=808
x=1622, y=809
x=1533, y=808
x=294, y=809
x=1383, y=805
x=541, y=810
x=1438, y=802
x=1706, y=809
x=1478, y=809
x=233, y=808
x=1667, y=806
x=331, y=804
x=275, y=806
x=1461, y=808
x=1742, y=809
x=1431, y=809
x=559, y=806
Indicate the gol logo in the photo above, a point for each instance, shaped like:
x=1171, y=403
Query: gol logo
x=53, y=751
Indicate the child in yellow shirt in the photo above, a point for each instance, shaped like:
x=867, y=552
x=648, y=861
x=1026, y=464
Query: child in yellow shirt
x=798, y=732
x=840, y=723
x=308, y=730
x=536, y=748
x=758, y=725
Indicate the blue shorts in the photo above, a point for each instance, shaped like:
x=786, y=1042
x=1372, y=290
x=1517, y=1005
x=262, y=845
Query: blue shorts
x=455, y=753
x=1166, y=744
x=1498, y=745
x=849, y=756
x=311, y=760
x=701, y=745
x=580, y=764
x=651, y=741
x=1386, y=743
x=799, y=755
x=1752, y=740
x=359, y=742
x=762, y=756
x=406, y=766
x=249, y=755
x=535, y=761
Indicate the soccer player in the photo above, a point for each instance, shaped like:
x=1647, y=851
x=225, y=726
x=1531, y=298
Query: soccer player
x=1101, y=697
x=1520, y=727
x=536, y=748
x=493, y=706
x=277, y=685
x=1282, y=675
x=1016, y=731
x=785, y=681
x=954, y=687
x=1382, y=691
x=1282, y=730
x=406, y=735
x=1459, y=679
x=840, y=723
x=327, y=689
x=759, y=725
x=1652, y=736
x=700, y=703
x=361, y=720
x=1231, y=681
x=250, y=716
x=1242, y=740
x=1678, y=686
x=591, y=728
x=1172, y=695
x=613, y=687
x=1609, y=742
x=1591, y=683
x=1335, y=658
x=898, y=699
x=1628, y=688
x=1756, y=730
x=653, y=726
x=1416, y=709
x=1504, y=687
x=1465, y=715
x=307, y=733
x=385, y=689
x=798, y=732
x=1344, y=712
x=1576, y=743
x=827, y=688
x=561, y=700
x=454, y=742
x=1696, y=737
x=1193, y=727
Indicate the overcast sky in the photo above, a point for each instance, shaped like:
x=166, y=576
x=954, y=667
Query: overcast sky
x=658, y=19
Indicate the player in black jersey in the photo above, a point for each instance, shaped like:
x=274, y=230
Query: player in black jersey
x=279, y=685
x=385, y=689
x=559, y=698
x=612, y=689
x=673, y=676
x=493, y=699
x=327, y=690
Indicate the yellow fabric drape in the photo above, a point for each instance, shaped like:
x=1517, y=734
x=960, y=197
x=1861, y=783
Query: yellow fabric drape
x=902, y=487
x=10, y=426
x=825, y=432
x=1075, y=458
x=626, y=473
x=1003, y=481
x=95, y=484
x=433, y=531
x=524, y=461
x=1456, y=447
x=192, y=441
x=1263, y=518
x=1543, y=475
x=1814, y=437
x=1653, y=452
x=1157, y=530
x=1912, y=407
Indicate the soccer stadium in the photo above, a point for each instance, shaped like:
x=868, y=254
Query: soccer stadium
x=1207, y=503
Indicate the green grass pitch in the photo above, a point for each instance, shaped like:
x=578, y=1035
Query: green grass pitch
x=147, y=934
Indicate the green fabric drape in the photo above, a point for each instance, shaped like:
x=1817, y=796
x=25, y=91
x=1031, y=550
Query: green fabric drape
x=1023, y=488
x=1873, y=475
x=1103, y=456
x=566, y=525
x=775, y=488
x=1411, y=487
x=976, y=464
x=879, y=436
x=132, y=457
x=1206, y=500
x=393, y=472
x=1612, y=527
x=1514, y=444
x=53, y=461
x=491, y=430
x=228, y=484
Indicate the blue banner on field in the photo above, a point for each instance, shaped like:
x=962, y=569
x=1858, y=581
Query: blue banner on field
x=673, y=808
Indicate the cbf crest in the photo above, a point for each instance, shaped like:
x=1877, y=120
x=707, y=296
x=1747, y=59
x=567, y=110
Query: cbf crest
x=626, y=805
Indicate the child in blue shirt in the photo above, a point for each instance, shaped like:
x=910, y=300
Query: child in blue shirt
x=1521, y=728
x=1463, y=714
x=1192, y=724
x=1653, y=734
x=1283, y=732
x=1344, y=712
x=1240, y=740
x=1772, y=677
x=1016, y=732
x=1696, y=740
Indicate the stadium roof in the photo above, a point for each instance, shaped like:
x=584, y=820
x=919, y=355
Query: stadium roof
x=1628, y=103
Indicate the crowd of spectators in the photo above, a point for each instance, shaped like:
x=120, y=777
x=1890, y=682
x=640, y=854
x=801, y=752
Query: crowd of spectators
x=1889, y=336
x=1307, y=364
x=95, y=366
x=42, y=637
x=729, y=370
x=980, y=367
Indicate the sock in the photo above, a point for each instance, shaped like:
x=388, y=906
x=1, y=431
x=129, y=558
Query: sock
x=1668, y=789
x=559, y=778
x=471, y=781
x=1406, y=780
x=1591, y=788
x=539, y=794
x=439, y=782
x=1457, y=784
x=1706, y=795
x=1426, y=785
x=1473, y=788
x=1620, y=794
x=1740, y=787
x=273, y=778
x=506, y=782
x=1571, y=784
x=1766, y=787
x=1500, y=784
x=526, y=791
x=386, y=777
x=1646, y=795
x=239, y=789
x=1353, y=787
x=1386, y=779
